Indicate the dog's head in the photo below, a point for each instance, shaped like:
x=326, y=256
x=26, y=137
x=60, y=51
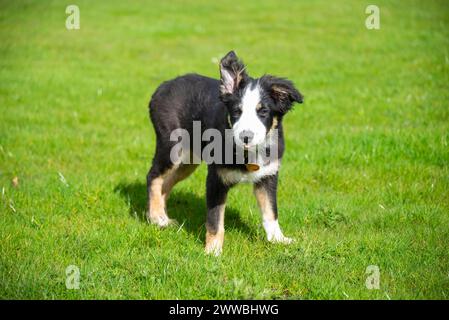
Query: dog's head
x=255, y=105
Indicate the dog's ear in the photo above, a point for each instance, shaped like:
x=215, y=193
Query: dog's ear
x=282, y=91
x=232, y=72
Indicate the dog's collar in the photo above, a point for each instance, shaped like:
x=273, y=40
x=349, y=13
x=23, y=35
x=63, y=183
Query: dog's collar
x=251, y=167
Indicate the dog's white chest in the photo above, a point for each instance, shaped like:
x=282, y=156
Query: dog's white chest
x=230, y=176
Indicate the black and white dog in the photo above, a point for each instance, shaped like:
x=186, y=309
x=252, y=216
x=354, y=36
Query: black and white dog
x=252, y=110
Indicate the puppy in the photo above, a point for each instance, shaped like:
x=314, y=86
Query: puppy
x=250, y=112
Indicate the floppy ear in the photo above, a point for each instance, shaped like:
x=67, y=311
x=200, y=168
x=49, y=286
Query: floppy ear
x=232, y=72
x=282, y=91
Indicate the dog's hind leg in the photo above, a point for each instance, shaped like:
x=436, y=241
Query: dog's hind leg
x=156, y=203
x=161, y=169
x=159, y=184
x=174, y=176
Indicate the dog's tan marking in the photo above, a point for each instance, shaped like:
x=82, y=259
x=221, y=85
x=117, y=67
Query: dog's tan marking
x=280, y=92
x=160, y=190
x=156, y=203
x=214, y=242
x=215, y=236
x=264, y=204
x=274, y=125
x=269, y=220
x=175, y=176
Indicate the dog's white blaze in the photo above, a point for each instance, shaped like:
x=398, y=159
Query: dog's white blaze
x=274, y=233
x=249, y=119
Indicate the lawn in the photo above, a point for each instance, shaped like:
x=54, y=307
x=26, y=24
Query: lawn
x=364, y=182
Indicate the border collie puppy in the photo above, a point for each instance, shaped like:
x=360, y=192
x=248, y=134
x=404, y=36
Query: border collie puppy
x=252, y=111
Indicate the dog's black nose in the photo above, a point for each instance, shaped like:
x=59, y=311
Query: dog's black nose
x=246, y=136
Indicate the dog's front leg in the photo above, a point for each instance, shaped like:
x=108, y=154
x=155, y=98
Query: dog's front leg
x=216, y=200
x=265, y=191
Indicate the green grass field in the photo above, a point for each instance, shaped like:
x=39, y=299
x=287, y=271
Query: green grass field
x=365, y=178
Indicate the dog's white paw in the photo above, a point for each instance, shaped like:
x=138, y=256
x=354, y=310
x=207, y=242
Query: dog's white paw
x=162, y=221
x=214, y=244
x=213, y=249
x=281, y=239
x=274, y=233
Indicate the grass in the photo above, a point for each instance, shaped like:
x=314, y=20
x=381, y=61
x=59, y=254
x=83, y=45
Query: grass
x=364, y=181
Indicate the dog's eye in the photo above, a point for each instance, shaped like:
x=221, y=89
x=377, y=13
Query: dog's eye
x=236, y=113
x=263, y=111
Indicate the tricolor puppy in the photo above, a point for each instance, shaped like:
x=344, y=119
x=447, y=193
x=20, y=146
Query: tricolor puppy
x=252, y=111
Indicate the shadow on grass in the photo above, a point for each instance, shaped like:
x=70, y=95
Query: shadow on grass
x=185, y=207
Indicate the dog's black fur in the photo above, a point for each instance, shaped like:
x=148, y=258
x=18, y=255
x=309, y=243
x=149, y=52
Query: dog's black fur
x=216, y=104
